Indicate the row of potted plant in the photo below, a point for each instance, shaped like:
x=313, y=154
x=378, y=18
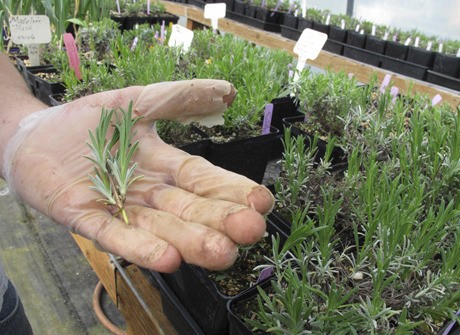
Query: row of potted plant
x=403, y=52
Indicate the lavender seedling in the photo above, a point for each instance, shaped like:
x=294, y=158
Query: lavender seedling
x=113, y=173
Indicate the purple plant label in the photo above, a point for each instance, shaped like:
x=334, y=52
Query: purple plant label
x=263, y=3
x=277, y=7
x=162, y=31
x=291, y=7
x=394, y=93
x=133, y=45
x=437, y=99
x=395, y=37
x=264, y=274
x=385, y=83
x=118, y=7
x=268, y=113
x=450, y=326
x=148, y=7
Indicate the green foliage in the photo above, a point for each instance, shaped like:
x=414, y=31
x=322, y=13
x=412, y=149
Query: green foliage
x=113, y=172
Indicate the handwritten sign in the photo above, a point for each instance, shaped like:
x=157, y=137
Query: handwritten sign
x=180, y=37
x=215, y=11
x=30, y=29
x=308, y=46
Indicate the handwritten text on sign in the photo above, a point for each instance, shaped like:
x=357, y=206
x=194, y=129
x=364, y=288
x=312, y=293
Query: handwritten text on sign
x=310, y=44
x=30, y=29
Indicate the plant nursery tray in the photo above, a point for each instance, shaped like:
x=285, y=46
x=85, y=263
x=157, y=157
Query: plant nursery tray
x=443, y=80
x=272, y=27
x=403, y=67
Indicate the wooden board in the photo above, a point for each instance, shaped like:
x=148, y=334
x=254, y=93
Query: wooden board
x=326, y=60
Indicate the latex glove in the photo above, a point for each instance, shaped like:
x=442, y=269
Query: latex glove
x=183, y=207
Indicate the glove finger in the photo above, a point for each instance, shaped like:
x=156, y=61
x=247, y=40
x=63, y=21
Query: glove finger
x=197, y=175
x=242, y=224
x=137, y=246
x=197, y=244
x=200, y=100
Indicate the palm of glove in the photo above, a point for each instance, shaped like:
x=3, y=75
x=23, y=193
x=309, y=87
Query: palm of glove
x=182, y=208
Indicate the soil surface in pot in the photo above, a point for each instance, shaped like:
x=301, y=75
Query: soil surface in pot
x=176, y=134
x=221, y=134
x=241, y=274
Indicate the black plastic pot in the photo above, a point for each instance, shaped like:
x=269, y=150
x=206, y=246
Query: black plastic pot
x=236, y=325
x=201, y=297
x=23, y=68
x=250, y=20
x=447, y=64
x=269, y=16
x=173, y=309
x=198, y=148
x=333, y=46
x=396, y=50
x=304, y=24
x=131, y=21
x=338, y=34
x=321, y=27
x=248, y=157
x=375, y=44
x=239, y=7
x=405, y=68
x=290, y=20
x=420, y=56
x=339, y=160
x=282, y=108
x=362, y=55
x=42, y=88
x=291, y=33
x=356, y=39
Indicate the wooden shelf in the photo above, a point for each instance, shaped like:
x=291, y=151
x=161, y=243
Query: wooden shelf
x=326, y=60
x=136, y=298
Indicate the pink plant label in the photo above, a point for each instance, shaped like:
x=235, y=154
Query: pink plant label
x=268, y=113
x=437, y=99
x=72, y=54
x=385, y=83
x=265, y=274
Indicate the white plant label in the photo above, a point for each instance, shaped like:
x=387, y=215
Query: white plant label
x=30, y=29
x=342, y=24
x=440, y=47
x=214, y=12
x=407, y=41
x=304, y=8
x=308, y=46
x=429, y=45
x=328, y=19
x=357, y=27
x=458, y=52
x=417, y=42
x=385, y=37
x=180, y=37
x=373, y=30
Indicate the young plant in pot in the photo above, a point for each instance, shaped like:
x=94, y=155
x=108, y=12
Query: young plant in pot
x=240, y=144
x=384, y=260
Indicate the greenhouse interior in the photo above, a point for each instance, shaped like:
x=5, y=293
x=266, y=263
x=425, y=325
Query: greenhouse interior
x=230, y=167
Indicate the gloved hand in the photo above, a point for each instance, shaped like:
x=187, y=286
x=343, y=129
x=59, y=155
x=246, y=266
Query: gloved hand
x=182, y=208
